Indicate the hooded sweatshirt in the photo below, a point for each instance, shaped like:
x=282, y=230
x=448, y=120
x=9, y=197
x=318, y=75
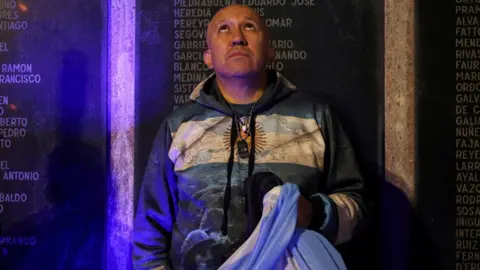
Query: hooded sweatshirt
x=191, y=212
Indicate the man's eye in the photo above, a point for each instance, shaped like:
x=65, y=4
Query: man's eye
x=250, y=26
x=223, y=28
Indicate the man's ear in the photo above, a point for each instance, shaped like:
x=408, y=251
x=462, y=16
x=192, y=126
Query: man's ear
x=207, y=59
x=271, y=53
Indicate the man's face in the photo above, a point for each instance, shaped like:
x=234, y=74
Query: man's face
x=237, y=42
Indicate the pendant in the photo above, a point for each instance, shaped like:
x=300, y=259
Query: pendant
x=242, y=146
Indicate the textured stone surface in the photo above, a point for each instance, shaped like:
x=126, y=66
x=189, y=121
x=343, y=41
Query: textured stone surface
x=121, y=74
x=399, y=95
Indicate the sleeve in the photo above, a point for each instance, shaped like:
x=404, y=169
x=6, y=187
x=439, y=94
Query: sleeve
x=343, y=199
x=157, y=207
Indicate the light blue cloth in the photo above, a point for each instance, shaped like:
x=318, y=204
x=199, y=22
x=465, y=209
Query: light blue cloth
x=276, y=243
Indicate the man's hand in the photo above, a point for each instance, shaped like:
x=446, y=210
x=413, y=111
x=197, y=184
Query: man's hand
x=304, y=212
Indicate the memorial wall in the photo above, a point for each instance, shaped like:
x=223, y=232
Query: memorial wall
x=467, y=134
x=52, y=134
x=448, y=132
x=53, y=116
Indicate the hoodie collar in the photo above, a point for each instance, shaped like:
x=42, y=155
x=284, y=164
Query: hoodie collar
x=273, y=94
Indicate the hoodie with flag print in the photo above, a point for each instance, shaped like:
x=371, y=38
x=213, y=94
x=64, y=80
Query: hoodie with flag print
x=191, y=209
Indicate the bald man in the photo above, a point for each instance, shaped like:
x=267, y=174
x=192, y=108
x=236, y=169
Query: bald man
x=247, y=121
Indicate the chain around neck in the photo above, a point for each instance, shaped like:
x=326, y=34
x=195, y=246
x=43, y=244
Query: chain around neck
x=245, y=126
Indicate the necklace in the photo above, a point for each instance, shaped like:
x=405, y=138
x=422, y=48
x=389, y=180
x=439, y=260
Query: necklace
x=242, y=144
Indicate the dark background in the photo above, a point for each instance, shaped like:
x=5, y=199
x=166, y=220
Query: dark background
x=434, y=220
x=67, y=141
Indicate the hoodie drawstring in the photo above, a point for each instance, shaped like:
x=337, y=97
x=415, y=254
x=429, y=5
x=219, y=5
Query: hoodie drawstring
x=251, y=157
x=228, y=187
x=251, y=166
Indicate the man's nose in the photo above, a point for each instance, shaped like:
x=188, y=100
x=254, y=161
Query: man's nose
x=238, y=38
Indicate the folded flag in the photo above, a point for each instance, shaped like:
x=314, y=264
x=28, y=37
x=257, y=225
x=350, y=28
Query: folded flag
x=276, y=243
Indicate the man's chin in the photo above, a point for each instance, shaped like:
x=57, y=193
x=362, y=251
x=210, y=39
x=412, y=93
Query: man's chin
x=241, y=73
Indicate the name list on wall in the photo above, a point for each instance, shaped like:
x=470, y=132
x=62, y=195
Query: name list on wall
x=13, y=125
x=191, y=19
x=467, y=76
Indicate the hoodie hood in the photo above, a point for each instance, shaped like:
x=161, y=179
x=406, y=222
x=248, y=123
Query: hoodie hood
x=278, y=89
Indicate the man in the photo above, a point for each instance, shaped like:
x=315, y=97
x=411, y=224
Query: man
x=245, y=119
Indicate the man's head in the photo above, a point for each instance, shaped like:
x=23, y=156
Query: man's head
x=237, y=39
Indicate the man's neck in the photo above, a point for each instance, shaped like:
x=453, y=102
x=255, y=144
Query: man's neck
x=243, y=90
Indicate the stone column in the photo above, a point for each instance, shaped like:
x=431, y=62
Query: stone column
x=398, y=192
x=399, y=95
x=121, y=86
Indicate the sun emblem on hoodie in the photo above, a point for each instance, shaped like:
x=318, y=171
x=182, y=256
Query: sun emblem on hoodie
x=260, y=138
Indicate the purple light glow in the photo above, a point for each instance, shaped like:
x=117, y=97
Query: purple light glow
x=121, y=85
